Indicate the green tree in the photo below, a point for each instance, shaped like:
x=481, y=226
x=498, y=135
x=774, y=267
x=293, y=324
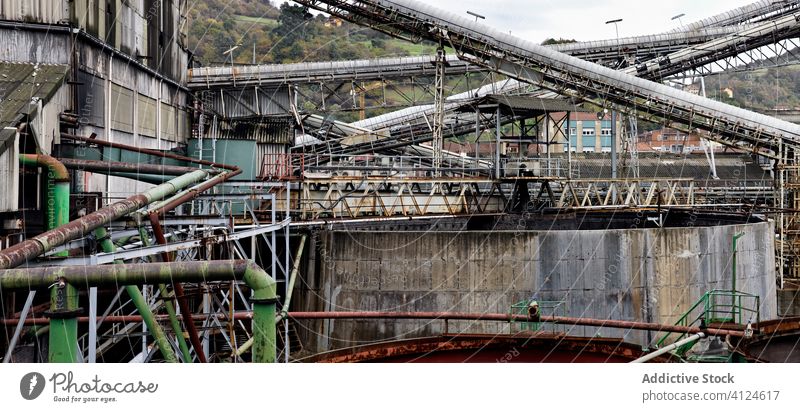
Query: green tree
x=551, y=41
x=291, y=21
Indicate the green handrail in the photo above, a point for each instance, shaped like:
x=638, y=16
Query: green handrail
x=712, y=309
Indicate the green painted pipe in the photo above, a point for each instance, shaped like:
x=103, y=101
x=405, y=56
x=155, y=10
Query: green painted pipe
x=123, y=241
x=63, y=336
x=140, y=302
x=64, y=330
x=292, y=278
x=263, y=286
x=175, y=323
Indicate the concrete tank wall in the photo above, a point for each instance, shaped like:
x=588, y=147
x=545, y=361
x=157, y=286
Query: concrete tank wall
x=648, y=275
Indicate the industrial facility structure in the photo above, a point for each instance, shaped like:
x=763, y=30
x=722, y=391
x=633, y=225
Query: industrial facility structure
x=161, y=213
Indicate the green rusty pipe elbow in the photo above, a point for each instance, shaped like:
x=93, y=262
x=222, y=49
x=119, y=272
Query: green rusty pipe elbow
x=57, y=199
x=64, y=330
x=287, y=299
x=264, y=300
x=264, y=287
x=55, y=167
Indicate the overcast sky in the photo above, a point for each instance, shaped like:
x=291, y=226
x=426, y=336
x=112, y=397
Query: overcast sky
x=536, y=20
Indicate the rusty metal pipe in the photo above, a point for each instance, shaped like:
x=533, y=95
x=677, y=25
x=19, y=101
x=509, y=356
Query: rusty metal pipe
x=37, y=245
x=504, y=317
x=492, y=317
x=173, y=203
x=54, y=165
x=125, y=167
x=192, y=194
x=57, y=187
x=148, y=151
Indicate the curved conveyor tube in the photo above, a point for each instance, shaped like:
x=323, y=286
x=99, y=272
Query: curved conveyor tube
x=264, y=295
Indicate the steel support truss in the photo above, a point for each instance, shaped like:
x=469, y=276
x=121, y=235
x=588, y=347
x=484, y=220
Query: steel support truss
x=342, y=198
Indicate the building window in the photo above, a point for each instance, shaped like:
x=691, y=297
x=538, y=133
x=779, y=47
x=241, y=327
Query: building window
x=605, y=132
x=588, y=132
x=588, y=149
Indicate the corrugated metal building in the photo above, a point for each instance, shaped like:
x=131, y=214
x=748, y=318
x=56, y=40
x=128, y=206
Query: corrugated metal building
x=251, y=123
x=28, y=94
x=128, y=87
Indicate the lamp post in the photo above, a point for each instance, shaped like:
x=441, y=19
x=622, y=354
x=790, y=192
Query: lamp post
x=678, y=17
x=229, y=53
x=616, y=27
x=476, y=15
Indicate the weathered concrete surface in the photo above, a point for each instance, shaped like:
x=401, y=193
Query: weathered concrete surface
x=789, y=302
x=649, y=275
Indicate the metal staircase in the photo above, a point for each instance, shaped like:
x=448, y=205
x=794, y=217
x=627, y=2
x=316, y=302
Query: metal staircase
x=723, y=309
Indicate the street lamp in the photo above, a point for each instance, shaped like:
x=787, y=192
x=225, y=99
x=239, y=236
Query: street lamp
x=678, y=17
x=476, y=15
x=615, y=21
x=230, y=52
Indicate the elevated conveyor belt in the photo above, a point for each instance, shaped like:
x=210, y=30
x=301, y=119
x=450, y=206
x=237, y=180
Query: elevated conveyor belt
x=564, y=74
x=274, y=75
x=759, y=11
x=411, y=122
x=614, y=53
x=730, y=20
